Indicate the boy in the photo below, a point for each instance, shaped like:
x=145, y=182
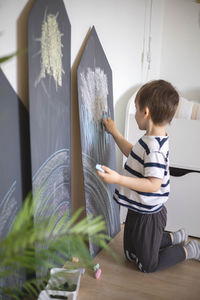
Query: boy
x=144, y=187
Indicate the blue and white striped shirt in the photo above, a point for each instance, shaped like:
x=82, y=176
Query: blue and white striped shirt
x=148, y=158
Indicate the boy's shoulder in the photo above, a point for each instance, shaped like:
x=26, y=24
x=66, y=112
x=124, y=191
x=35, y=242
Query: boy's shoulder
x=155, y=143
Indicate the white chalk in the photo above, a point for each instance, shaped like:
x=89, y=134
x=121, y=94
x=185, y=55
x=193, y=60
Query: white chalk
x=99, y=168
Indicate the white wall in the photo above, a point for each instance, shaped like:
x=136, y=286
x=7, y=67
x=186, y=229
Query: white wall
x=180, y=57
x=10, y=12
x=13, y=37
x=119, y=25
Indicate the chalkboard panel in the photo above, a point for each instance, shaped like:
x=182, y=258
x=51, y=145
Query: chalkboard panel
x=95, y=95
x=49, y=43
x=15, y=179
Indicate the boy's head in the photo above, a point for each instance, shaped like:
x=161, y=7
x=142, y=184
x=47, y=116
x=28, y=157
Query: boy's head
x=161, y=98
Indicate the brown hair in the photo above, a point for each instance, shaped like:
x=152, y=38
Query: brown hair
x=161, y=98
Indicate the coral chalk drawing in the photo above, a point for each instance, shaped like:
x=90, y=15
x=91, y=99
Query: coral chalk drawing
x=51, y=50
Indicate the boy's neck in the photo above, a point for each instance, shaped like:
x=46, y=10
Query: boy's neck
x=156, y=130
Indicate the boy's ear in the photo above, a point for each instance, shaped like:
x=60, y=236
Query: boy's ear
x=146, y=112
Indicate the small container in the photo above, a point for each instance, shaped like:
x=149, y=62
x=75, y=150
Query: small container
x=60, y=277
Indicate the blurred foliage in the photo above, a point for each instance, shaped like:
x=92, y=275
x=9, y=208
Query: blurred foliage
x=62, y=239
x=8, y=57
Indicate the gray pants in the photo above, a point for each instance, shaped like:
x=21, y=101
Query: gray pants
x=147, y=244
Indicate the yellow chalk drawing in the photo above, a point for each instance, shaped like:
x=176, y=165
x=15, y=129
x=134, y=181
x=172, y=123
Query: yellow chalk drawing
x=51, y=50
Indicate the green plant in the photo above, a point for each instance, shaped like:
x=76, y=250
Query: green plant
x=68, y=238
x=8, y=57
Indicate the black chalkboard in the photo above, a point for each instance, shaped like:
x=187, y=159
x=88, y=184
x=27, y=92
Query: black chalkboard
x=15, y=176
x=95, y=95
x=49, y=44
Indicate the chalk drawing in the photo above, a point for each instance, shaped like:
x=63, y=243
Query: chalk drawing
x=98, y=199
x=8, y=209
x=51, y=184
x=51, y=50
x=94, y=92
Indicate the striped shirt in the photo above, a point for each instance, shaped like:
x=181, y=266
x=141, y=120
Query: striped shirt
x=148, y=158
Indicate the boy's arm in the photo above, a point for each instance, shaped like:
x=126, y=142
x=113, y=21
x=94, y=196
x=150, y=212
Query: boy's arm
x=146, y=185
x=121, y=142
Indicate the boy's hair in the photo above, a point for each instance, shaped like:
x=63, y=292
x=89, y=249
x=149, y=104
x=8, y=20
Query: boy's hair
x=161, y=98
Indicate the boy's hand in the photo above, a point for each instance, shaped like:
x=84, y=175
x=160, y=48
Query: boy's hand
x=109, y=176
x=109, y=125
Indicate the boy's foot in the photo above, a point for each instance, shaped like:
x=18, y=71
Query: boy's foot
x=193, y=250
x=180, y=237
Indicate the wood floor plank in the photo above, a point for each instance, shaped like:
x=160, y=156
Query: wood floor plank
x=121, y=280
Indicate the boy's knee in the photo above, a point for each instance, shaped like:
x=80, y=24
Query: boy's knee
x=144, y=264
x=149, y=269
x=147, y=266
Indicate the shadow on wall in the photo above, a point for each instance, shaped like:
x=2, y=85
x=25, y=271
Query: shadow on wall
x=120, y=115
x=22, y=60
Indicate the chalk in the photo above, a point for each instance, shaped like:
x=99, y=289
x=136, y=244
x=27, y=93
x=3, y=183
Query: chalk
x=96, y=267
x=105, y=115
x=99, y=168
x=98, y=274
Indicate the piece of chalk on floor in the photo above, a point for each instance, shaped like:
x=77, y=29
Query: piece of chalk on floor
x=98, y=274
x=96, y=267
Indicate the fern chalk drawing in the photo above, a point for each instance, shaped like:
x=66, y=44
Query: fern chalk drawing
x=51, y=49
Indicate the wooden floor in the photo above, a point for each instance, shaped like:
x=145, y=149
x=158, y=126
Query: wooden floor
x=122, y=281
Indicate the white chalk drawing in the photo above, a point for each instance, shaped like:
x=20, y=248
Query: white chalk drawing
x=51, y=50
x=51, y=186
x=94, y=93
x=98, y=199
x=9, y=207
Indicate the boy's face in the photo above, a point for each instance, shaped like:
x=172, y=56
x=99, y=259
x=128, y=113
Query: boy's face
x=140, y=116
